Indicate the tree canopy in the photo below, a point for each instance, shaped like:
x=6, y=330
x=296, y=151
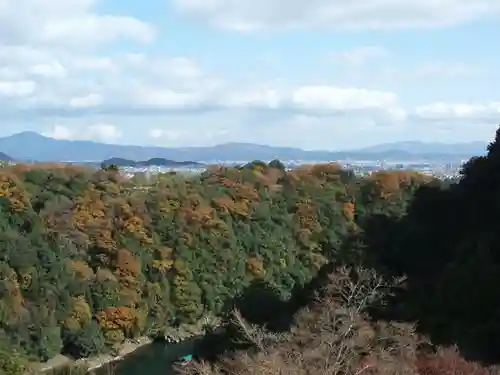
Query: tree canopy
x=90, y=258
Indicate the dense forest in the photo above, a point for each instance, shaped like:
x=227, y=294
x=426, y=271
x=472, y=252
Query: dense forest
x=88, y=259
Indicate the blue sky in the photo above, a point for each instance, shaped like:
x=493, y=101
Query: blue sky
x=316, y=74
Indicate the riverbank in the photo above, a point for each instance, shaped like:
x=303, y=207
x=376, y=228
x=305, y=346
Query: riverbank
x=128, y=347
x=187, y=331
x=88, y=364
x=171, y=335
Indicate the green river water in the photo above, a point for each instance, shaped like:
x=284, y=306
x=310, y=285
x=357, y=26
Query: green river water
x=154, y=359
x=159, y=358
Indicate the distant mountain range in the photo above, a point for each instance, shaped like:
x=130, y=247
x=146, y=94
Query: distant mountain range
x=160, y=162
x=35, y=147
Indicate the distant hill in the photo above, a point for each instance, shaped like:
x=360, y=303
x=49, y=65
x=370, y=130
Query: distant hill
x=5, y=157
x=33, y=146
x=160, y=162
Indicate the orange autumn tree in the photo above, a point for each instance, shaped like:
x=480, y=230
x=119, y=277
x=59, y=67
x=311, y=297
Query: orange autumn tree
x=117, y=323
x=15, y=197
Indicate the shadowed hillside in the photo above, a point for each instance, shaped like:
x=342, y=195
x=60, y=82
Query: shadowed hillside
x=436, y=250
x=448, y=247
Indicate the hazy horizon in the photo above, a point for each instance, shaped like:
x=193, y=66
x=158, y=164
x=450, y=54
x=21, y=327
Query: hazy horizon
x=388, y=144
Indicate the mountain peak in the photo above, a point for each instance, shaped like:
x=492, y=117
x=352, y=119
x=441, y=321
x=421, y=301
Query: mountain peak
x=28, y=134
x=4, y=157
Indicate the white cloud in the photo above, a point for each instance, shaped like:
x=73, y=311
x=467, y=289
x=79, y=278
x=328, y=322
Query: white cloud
x=360, y=55
x=441, y=111
x=139, y=83
x=86, y=101
x=268, y=98
x=15, y=89
x=93, y=63
x=254, y=15
x=447, y=70
x=97, y=132
x=155, y=133
x=68, y=24
x=313, y=100
x=169, y=73
x=103, y=132
x=169, y=135
x=341, y=99
x=157, y=97
x=179, y=67
x=59, y=132
x=95, y=29
x=51, y=70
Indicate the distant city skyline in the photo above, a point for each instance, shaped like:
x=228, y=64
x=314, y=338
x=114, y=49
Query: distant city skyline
x=316, y=75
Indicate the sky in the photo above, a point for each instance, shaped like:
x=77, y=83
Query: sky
x=315, y=74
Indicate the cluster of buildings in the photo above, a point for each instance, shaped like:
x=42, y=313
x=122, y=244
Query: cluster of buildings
x=441, y=170
x=360, y=167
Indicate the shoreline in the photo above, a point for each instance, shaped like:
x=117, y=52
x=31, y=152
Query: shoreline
x=128, y=347
x=171, y=336
x=92, y=363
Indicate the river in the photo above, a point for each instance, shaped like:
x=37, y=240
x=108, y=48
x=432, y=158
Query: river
x=154, y=359
x=159, y=357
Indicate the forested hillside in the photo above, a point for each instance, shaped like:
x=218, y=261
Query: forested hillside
x=87, y=260
x=90, y=259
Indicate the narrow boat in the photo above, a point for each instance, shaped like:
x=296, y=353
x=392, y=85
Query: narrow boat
x=185, y=360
